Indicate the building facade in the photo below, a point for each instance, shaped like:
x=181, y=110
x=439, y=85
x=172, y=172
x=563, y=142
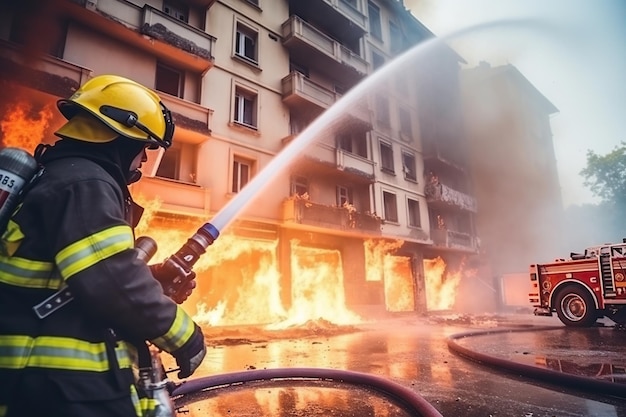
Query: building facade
x=513, y=168
x=379, y=188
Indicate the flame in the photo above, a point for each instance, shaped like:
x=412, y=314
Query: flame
x=24, y=127
x=442, y=283
x=375, y=253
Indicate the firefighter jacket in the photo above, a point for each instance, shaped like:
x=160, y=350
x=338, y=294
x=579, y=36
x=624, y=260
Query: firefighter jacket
x=73, y=228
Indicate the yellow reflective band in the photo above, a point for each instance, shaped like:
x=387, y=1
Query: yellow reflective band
x=179, y=333
x=94, y=248
x=27, y=273
x=3, y=410
x=138, y=404
x=19, y=352
x=11, y=238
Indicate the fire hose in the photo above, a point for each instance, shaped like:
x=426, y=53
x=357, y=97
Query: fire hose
x=410, y=400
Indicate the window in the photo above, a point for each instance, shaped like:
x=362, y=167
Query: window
x=178, y=163
x=382, y=110
x=386, y=157
x=408, y=166
x=299, y=185
x=294, y=66
x=406, y=130
x=353, y=142
x=170, y=163
x=374, y=18
x=414, y=213
x=177, y=10
x=352, y=3
x=390, y=207
x=242, y=171
x=396, y=37
x=344, y=195
x=377, y=60
x=169, y=80
x=245, y=108
x=246, y=43
x=255, y=2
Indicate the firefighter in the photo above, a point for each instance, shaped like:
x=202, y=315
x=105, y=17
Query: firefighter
x=75, y=228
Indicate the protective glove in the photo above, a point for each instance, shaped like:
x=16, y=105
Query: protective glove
x=190, y=356
x=177, y=283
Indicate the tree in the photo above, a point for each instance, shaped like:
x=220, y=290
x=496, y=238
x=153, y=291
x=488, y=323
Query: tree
x=606, y=175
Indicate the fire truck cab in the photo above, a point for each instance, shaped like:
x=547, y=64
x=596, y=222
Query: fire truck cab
x=583, y=288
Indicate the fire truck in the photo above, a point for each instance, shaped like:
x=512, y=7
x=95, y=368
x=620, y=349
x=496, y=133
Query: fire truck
x=583, y=288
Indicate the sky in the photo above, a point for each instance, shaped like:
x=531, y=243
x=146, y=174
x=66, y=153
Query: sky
x=572, y=51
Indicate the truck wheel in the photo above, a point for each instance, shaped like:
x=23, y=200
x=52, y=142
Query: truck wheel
x=575, y=307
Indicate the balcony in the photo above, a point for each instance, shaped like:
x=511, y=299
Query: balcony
x=190, y=116
x=317, y=50
x=451, y=239
x=325, y=159
x=300, y=92
x=305, y=212
x=437, y=193
x=175, y=197
x=338, y=13
x=46, y=73
x=148, y=29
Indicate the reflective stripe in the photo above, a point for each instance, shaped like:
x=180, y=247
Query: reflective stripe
x=94, y=248
x=179, y=333
x=18, y=352
x=3, y=410
x=139, y=404
x=11, y=238
x=27, y=273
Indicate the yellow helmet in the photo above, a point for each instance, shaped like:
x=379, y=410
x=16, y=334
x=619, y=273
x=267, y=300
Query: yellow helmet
x=126, y=107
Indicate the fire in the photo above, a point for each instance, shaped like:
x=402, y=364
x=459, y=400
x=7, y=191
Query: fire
x=239, y=280
x=25, y=127
x=441, y=284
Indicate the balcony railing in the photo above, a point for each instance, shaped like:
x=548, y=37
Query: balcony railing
x=168, y=29
x=174, y=196
x=349, y=12
x=198, y=117
x=453, y=240
x=337, y=218
x=347, y=161
x=297, y=31
x=190, y=47
x=46, y=73
x=297, y=89
x=440, y=193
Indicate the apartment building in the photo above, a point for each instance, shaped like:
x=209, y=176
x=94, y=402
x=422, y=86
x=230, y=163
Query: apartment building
x=243, y=79
x=513, y=167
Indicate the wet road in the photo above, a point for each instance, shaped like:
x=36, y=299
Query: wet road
x=413, y=352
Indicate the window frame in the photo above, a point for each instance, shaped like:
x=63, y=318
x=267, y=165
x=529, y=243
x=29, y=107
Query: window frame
x=241, y=96
x=414, y=218
x=296, y=182
x=238, y=162
x=243, y=32
x=378, y=23
x=386, y=157
x=405, y=168
x=343, y=195
x=390, y=203
x=160, y=66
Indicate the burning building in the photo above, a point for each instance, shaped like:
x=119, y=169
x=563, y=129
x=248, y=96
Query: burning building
x=375, y=217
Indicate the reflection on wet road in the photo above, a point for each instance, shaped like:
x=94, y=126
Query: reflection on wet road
x=412, y=352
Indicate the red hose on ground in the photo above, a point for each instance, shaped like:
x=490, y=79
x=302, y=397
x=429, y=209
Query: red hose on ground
x=545, y=375
x=411, y=400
